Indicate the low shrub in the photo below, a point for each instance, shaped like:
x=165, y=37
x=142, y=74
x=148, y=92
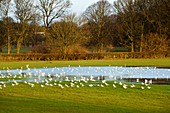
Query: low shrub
x=42, y=48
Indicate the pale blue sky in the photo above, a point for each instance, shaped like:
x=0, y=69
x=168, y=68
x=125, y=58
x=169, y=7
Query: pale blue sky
x=80, y=6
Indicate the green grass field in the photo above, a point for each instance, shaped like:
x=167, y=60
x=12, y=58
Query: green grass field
x=52, y=99
x=13, y=50
x=125, y=62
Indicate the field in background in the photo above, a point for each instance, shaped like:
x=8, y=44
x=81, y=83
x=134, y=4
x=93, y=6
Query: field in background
x=13, y=50
x=27, y=49
x=124, y=62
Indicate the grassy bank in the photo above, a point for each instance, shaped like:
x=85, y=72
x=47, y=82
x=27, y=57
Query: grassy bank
x=124, y=62
x=53, y=99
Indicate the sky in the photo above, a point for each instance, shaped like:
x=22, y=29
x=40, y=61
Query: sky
x=79, y=6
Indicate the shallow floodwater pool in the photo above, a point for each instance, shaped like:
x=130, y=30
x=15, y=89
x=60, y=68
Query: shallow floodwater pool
x=107, y=71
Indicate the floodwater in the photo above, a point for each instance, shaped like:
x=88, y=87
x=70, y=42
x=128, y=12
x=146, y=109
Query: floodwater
x=108, y=71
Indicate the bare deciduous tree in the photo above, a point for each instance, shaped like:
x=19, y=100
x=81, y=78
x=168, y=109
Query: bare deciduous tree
x=4, y=10
x=52, y=9
x=126, y=13
x=97, y=16
x=66, y=33
x=24, y=13
x=140, y=18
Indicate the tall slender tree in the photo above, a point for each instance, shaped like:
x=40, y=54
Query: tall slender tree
x=5, y=6
x=24, y=13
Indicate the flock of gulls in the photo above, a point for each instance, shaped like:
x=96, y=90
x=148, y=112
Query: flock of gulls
x=75, y=83
x=40, y=79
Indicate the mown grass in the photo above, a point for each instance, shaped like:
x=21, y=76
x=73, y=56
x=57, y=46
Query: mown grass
x=24, y=99
x=121, y=62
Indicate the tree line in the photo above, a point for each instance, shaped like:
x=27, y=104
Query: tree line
x=49, y=27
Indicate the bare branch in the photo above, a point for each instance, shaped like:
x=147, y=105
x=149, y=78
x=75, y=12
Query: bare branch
x=5, y=7
x=52, y=9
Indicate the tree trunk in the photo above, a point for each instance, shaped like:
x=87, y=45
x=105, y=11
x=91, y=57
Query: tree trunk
x=141, y=43
x=132, y=47
x=64, y=51
x=101, y=47
x=18, y=46
x=0, y=48
x=132, y=44
x=142, y=38
x=9, y=44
